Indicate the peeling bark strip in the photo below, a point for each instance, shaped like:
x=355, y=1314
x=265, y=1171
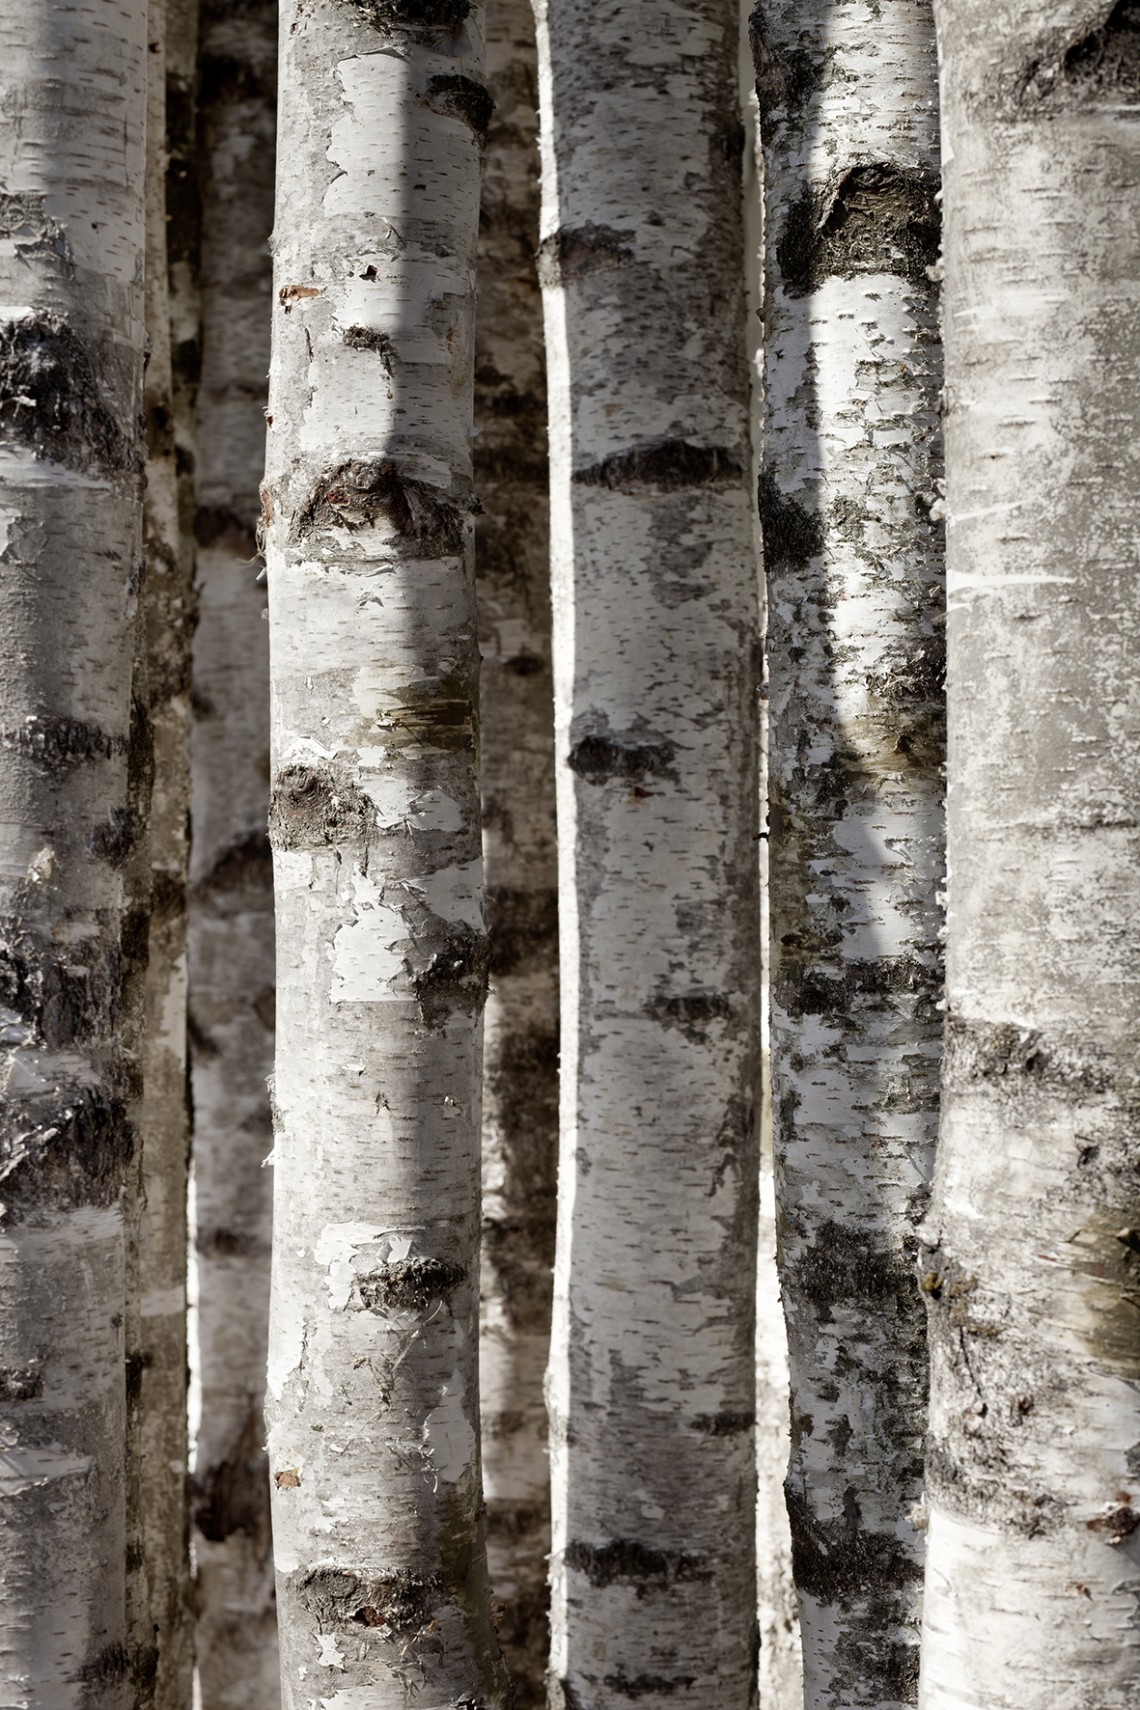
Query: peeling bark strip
x=382, y=961
x=231, y=898
x=656, y=654
x=71, y=361
x=1031, y=1270
x=520, y=1060
x=848, y=111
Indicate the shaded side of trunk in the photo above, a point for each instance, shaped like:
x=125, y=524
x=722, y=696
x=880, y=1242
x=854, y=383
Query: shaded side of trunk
x=848, y=113
x=1033, y=1567
x=382, y=954
x=231, y=899
x=71, y=457
x=520, y=1079
x=656, y=654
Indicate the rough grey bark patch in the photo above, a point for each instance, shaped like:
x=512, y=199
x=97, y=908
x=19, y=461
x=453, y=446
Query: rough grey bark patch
x=793, y=534
x=410, y=1282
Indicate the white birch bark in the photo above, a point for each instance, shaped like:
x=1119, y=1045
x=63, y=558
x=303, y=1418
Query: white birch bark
x=651, y=1385
x=520, y=1077
x=1033, y=1569
x=848, y=112
x=374, y=818
x=231, y=899
x=71, y=346
x=161, y=1641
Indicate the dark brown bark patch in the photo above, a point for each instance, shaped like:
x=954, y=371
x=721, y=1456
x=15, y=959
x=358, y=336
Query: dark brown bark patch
x=74, y=1152
x=461, y=98
x=598, y=757
x=359, y=494
x=400, y=1603
x=878, y=218
x=233, y=1494
x=51, y=398
x=630, y=1561
x=793, y=534
x=842, y=1562
x=1002, y=1053
x=664, y=466
x=576, y=251
x=522, y=927
x=647, y=1685
x=447, y=15
x=449, y=965
x=58, y=744
x=310, y=808
x=409, y=1284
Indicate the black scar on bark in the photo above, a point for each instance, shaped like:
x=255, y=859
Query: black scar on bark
x=461, y=98
x=448, y=15
x=879, y=218
x=793, y=535
x=723, y=1424
x=598, y=758
x=839, y=995
x=216, y=526
x=357, y=494
x=454, y=974
x=401, y=1602
x=114, y=840
x=646, y=1685
x=842, y=1269
x=627, y=1559
x=20, y=1384
x=576, y=251
x=1102, y=65
x=663, y=466
x=70, y=1153
x=59, y=1001
x=106, y=1669
x=1002, y=1053
x=409, y=1284
x=309, y=807
x=233, y=1494
x=245, y=865
x=692, y=1013
x=58, y=744
x=51, y=398
x=840, y=1561
x=521, y=925
x=785, y=81
x=371, y=338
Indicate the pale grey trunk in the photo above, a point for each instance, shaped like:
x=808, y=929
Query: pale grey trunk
x=71, y=346
x=848, y=112
x=231, y=899
x=374, y=819
x=1034, y=1544
x=652, y=1377
x=520, y=1081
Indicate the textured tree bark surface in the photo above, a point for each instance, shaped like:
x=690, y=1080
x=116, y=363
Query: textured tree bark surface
x=71, y=348
x=159, y=1608
x=374, y=820
x=848, y=112
x=1033, y=1567
x=651, y=1383
x=231, y=899
x=520, y=1075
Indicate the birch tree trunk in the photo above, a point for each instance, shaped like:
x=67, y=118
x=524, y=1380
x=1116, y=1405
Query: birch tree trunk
x=159, y=1606
x=1034, y=1540
x=651, y=1384
x=520, y=1079
x=848, y=111
x=231, y=909
x=71, y=345
x=374, y=820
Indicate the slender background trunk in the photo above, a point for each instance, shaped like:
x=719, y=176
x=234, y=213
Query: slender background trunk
x=231, y=917
x=520, y=1076
x=71, y=347
x=652, y=1377
x=374, y=819
x=1034, y=1542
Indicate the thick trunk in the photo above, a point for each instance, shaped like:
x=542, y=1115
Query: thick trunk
x=71, y=344
x=651, y=1386
x=848, y=112
x=520, y=1097
x=231, y=901
x=1034, y=1538
x=374, y=818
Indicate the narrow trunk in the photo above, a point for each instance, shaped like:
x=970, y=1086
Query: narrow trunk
x=161, y=1639
x=652, y=1380
x=1034, y=1453
x=231, y=900
x=520, y=1097
x=374, y=819
x=848, y=112
x=71, y=347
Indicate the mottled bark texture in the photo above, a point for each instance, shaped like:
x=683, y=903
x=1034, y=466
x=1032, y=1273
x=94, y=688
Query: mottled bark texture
x=1033, y=1572
x=520, y=1076
x=848, y=112
x=159, y=1610
x=374, y=819
x=652, y=1382
x=71, y=457
x=231, y=897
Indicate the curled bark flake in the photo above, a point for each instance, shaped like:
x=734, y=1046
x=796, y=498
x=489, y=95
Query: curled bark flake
x=72, y=1153
x=449, y=966
x=429, y=523
x=576, y=251
x=597, y=758
x=878, y=218
x=663, y=466
x=310, y=808
x=522, y=927
x=626, y=1560
x=51, y=398
x=401, y=1603
x=793, y=534
x=409, y=1284
x=461, y=98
